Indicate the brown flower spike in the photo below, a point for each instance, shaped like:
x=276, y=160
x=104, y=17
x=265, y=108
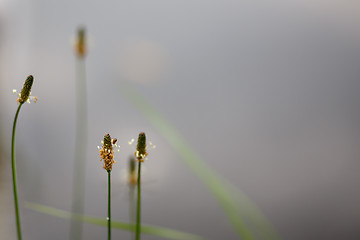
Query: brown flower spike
x=107, y=152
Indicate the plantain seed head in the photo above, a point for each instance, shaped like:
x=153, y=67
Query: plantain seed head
x=25, y=91
x=141, y=153
x=107, y=153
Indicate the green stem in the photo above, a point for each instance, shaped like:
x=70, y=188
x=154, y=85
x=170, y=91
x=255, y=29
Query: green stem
x=109, y=205
x=138, y=211
x=14, y=175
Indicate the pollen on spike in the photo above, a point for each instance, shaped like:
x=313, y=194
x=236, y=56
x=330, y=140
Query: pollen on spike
x=14, y=90
x=152, y=145
x=102, y=142
x=118, y=150
x=131, y=141
x=98, y=147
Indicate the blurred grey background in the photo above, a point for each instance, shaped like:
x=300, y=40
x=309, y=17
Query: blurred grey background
x=267, y=92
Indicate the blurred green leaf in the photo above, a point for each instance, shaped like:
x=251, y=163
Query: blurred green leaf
x=145, y=229
x=226, y=194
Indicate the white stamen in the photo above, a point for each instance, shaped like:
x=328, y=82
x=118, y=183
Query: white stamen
x=14, y=90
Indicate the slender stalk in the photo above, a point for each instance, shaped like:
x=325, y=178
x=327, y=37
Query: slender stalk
x=13, y=166
x=132, y=184
x=107, y=155
x=132, y=207
x=80, y=150
x=138, y=211
x=109, y=205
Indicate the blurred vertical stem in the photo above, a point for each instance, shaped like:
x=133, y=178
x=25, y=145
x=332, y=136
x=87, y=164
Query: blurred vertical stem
x=109, y=205
x=13, y=165
x=80, y=138
x=132, y=181
x=132, y=207
x=138, y=208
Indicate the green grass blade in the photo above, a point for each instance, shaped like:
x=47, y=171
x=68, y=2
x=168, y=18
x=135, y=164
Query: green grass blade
x=256, y=217
x=222, y=191
x=145, y=229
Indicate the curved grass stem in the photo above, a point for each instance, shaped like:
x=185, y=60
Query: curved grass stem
x=138, y=210
x=13, y=166
x=213, y=181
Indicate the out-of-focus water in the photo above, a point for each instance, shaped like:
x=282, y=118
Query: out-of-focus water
x=266, y=92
